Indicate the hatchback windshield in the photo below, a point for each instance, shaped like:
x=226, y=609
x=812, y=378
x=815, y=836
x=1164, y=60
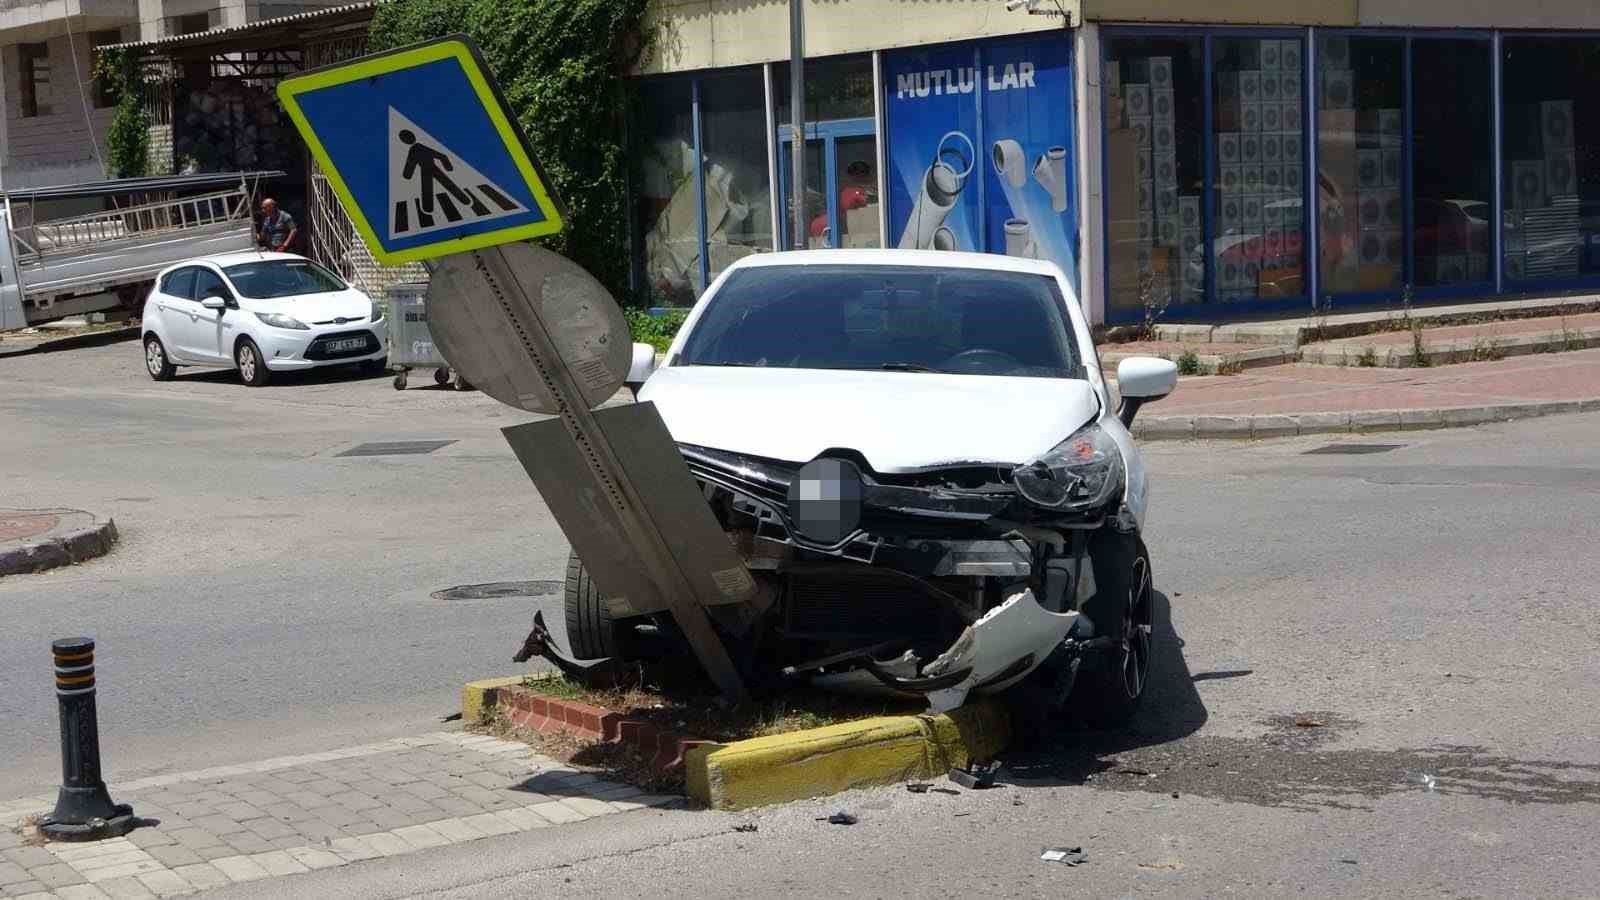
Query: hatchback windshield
x=894, y=318
x=269, y=278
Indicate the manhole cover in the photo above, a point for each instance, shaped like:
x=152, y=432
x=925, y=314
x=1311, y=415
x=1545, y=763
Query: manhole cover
x=494, y=590
x=1352, y=449
x=395, y=448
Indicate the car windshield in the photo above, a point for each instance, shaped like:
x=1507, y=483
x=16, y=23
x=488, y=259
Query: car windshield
x=894, y=318
x=269, y=278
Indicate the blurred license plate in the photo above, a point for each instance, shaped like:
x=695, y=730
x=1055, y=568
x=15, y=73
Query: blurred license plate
x=344, y=344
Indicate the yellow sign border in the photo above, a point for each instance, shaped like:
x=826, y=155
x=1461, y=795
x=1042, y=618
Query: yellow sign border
x=406, y=58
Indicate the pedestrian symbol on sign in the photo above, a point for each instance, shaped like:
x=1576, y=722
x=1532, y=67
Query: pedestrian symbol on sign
x=432, y=188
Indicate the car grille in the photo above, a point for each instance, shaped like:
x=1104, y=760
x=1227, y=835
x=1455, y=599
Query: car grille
x=319, y=347
x=865, y=603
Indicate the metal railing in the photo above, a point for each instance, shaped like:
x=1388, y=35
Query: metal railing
x=335, y=244
x=77, y=234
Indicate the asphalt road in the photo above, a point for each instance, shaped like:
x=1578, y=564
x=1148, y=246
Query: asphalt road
x=268, y=596
x=1424, y=614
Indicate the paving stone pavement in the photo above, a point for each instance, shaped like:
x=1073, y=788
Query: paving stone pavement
x=293, y=814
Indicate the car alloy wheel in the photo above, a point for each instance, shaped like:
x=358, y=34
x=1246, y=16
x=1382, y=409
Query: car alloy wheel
x=1138, y=626
x=155, y=359
x=247, y=363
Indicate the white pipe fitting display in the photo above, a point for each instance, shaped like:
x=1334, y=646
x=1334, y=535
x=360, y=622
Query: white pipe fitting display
x=1010, y=162
x=945, y=239
x=941, y=185
x=1051, y=172
x=1019, y=239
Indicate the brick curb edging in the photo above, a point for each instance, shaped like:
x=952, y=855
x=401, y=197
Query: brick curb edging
x=1207, y=427
x=60, y=549
x=664, y=750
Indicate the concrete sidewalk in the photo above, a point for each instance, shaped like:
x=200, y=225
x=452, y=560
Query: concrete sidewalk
x=292, y=815
x=32, y=540
x=1306, y=399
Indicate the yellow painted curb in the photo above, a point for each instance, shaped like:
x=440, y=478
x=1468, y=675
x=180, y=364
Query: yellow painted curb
x=478, y=696
x=824, y=761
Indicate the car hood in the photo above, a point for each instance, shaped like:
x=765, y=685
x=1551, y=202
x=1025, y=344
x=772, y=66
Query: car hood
x=898, y=421
x=315, y=309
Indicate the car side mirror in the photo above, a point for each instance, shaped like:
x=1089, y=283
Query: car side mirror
x=642, y=367
x=214, y=301
x=1141, y=380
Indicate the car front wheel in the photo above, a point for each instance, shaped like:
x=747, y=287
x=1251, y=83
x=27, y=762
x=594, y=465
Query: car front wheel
x=252, y=368
x=1112, y=684
x=155, y=359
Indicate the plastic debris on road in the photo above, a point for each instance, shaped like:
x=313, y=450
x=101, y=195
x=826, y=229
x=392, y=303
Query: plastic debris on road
x=1069, y=856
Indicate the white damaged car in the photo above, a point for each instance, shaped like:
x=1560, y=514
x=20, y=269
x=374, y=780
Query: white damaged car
x=920, y=459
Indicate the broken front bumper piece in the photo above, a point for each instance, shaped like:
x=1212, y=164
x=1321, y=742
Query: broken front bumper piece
x=993, y=653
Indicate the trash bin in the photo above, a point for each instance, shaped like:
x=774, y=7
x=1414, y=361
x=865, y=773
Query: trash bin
x=410, y=341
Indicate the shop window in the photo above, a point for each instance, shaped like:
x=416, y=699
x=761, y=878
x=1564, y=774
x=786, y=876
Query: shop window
x=1552, y=158
x=668, y=207
x=733, y=140
x=35, y=79
x=1453, y=166
x=836, y=88
x=1361, y=175
x=102, y=91
x=1258, y=248
x=1154, y=163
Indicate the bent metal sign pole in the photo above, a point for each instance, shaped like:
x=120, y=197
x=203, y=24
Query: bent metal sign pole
x=427, y=159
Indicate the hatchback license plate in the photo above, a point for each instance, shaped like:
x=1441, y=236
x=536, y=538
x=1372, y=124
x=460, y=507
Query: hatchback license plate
x=344, y=344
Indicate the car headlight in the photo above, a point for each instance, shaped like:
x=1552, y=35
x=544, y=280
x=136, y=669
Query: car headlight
x=279, y=320
x=1082, y=472
x=377, y=310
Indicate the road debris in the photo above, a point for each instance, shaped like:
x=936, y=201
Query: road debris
x=918, y=787
x=976, y=776
x=839, y=818
x=746, y=827
x=1069, y=856
x=1428, y=781
x=1308, y=722
x=1171, y=864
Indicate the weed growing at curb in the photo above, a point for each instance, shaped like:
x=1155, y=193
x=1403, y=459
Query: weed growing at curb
x=1230, y=367
x=1188, y=363
x=1321, y=310
x=1153, y=305
x=1419, y=350
x=1570, y=340
x=1487, y=349
x=1368, y=358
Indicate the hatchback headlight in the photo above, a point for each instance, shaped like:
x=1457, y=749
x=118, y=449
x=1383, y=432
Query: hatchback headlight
x=279, y=320
x=378, y=310
x=1082, y=472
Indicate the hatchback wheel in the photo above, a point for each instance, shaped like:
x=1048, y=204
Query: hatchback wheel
x=1112, y=686
x=252, y=368
x=155, y=359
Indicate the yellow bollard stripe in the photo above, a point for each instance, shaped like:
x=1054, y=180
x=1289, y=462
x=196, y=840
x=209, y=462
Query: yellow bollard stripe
x=75, y=679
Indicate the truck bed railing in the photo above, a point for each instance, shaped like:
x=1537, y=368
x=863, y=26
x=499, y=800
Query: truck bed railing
x=79, y=234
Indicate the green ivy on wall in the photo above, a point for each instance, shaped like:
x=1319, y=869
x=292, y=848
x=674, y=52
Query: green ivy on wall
x=128, y=138
x=559, y=63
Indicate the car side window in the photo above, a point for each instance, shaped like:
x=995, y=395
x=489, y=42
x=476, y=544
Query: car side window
x=207, y=282
x=179, y=284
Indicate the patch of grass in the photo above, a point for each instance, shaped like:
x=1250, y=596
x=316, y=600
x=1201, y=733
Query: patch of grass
x=1486, y=349
x=1230, y=367
x=1188, y=363
x=1419, y=350
x=1368, y=358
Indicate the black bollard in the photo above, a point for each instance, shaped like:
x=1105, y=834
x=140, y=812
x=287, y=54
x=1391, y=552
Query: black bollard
x=84, y=811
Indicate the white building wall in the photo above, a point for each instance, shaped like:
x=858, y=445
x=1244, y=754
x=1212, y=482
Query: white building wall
x=68, y=144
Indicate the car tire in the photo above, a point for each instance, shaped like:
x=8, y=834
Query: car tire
x=155, y=359
x=252, y=368
x=591, y=632
x=1112, y=683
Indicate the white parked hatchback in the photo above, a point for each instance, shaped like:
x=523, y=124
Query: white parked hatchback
x=259, y=313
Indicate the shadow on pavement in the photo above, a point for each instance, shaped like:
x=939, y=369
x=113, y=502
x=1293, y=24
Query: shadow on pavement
x=1172, y=710
x=323, y=375
x=71, y=342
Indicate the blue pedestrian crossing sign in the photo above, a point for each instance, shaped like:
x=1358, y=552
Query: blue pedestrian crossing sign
x=419, y=147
